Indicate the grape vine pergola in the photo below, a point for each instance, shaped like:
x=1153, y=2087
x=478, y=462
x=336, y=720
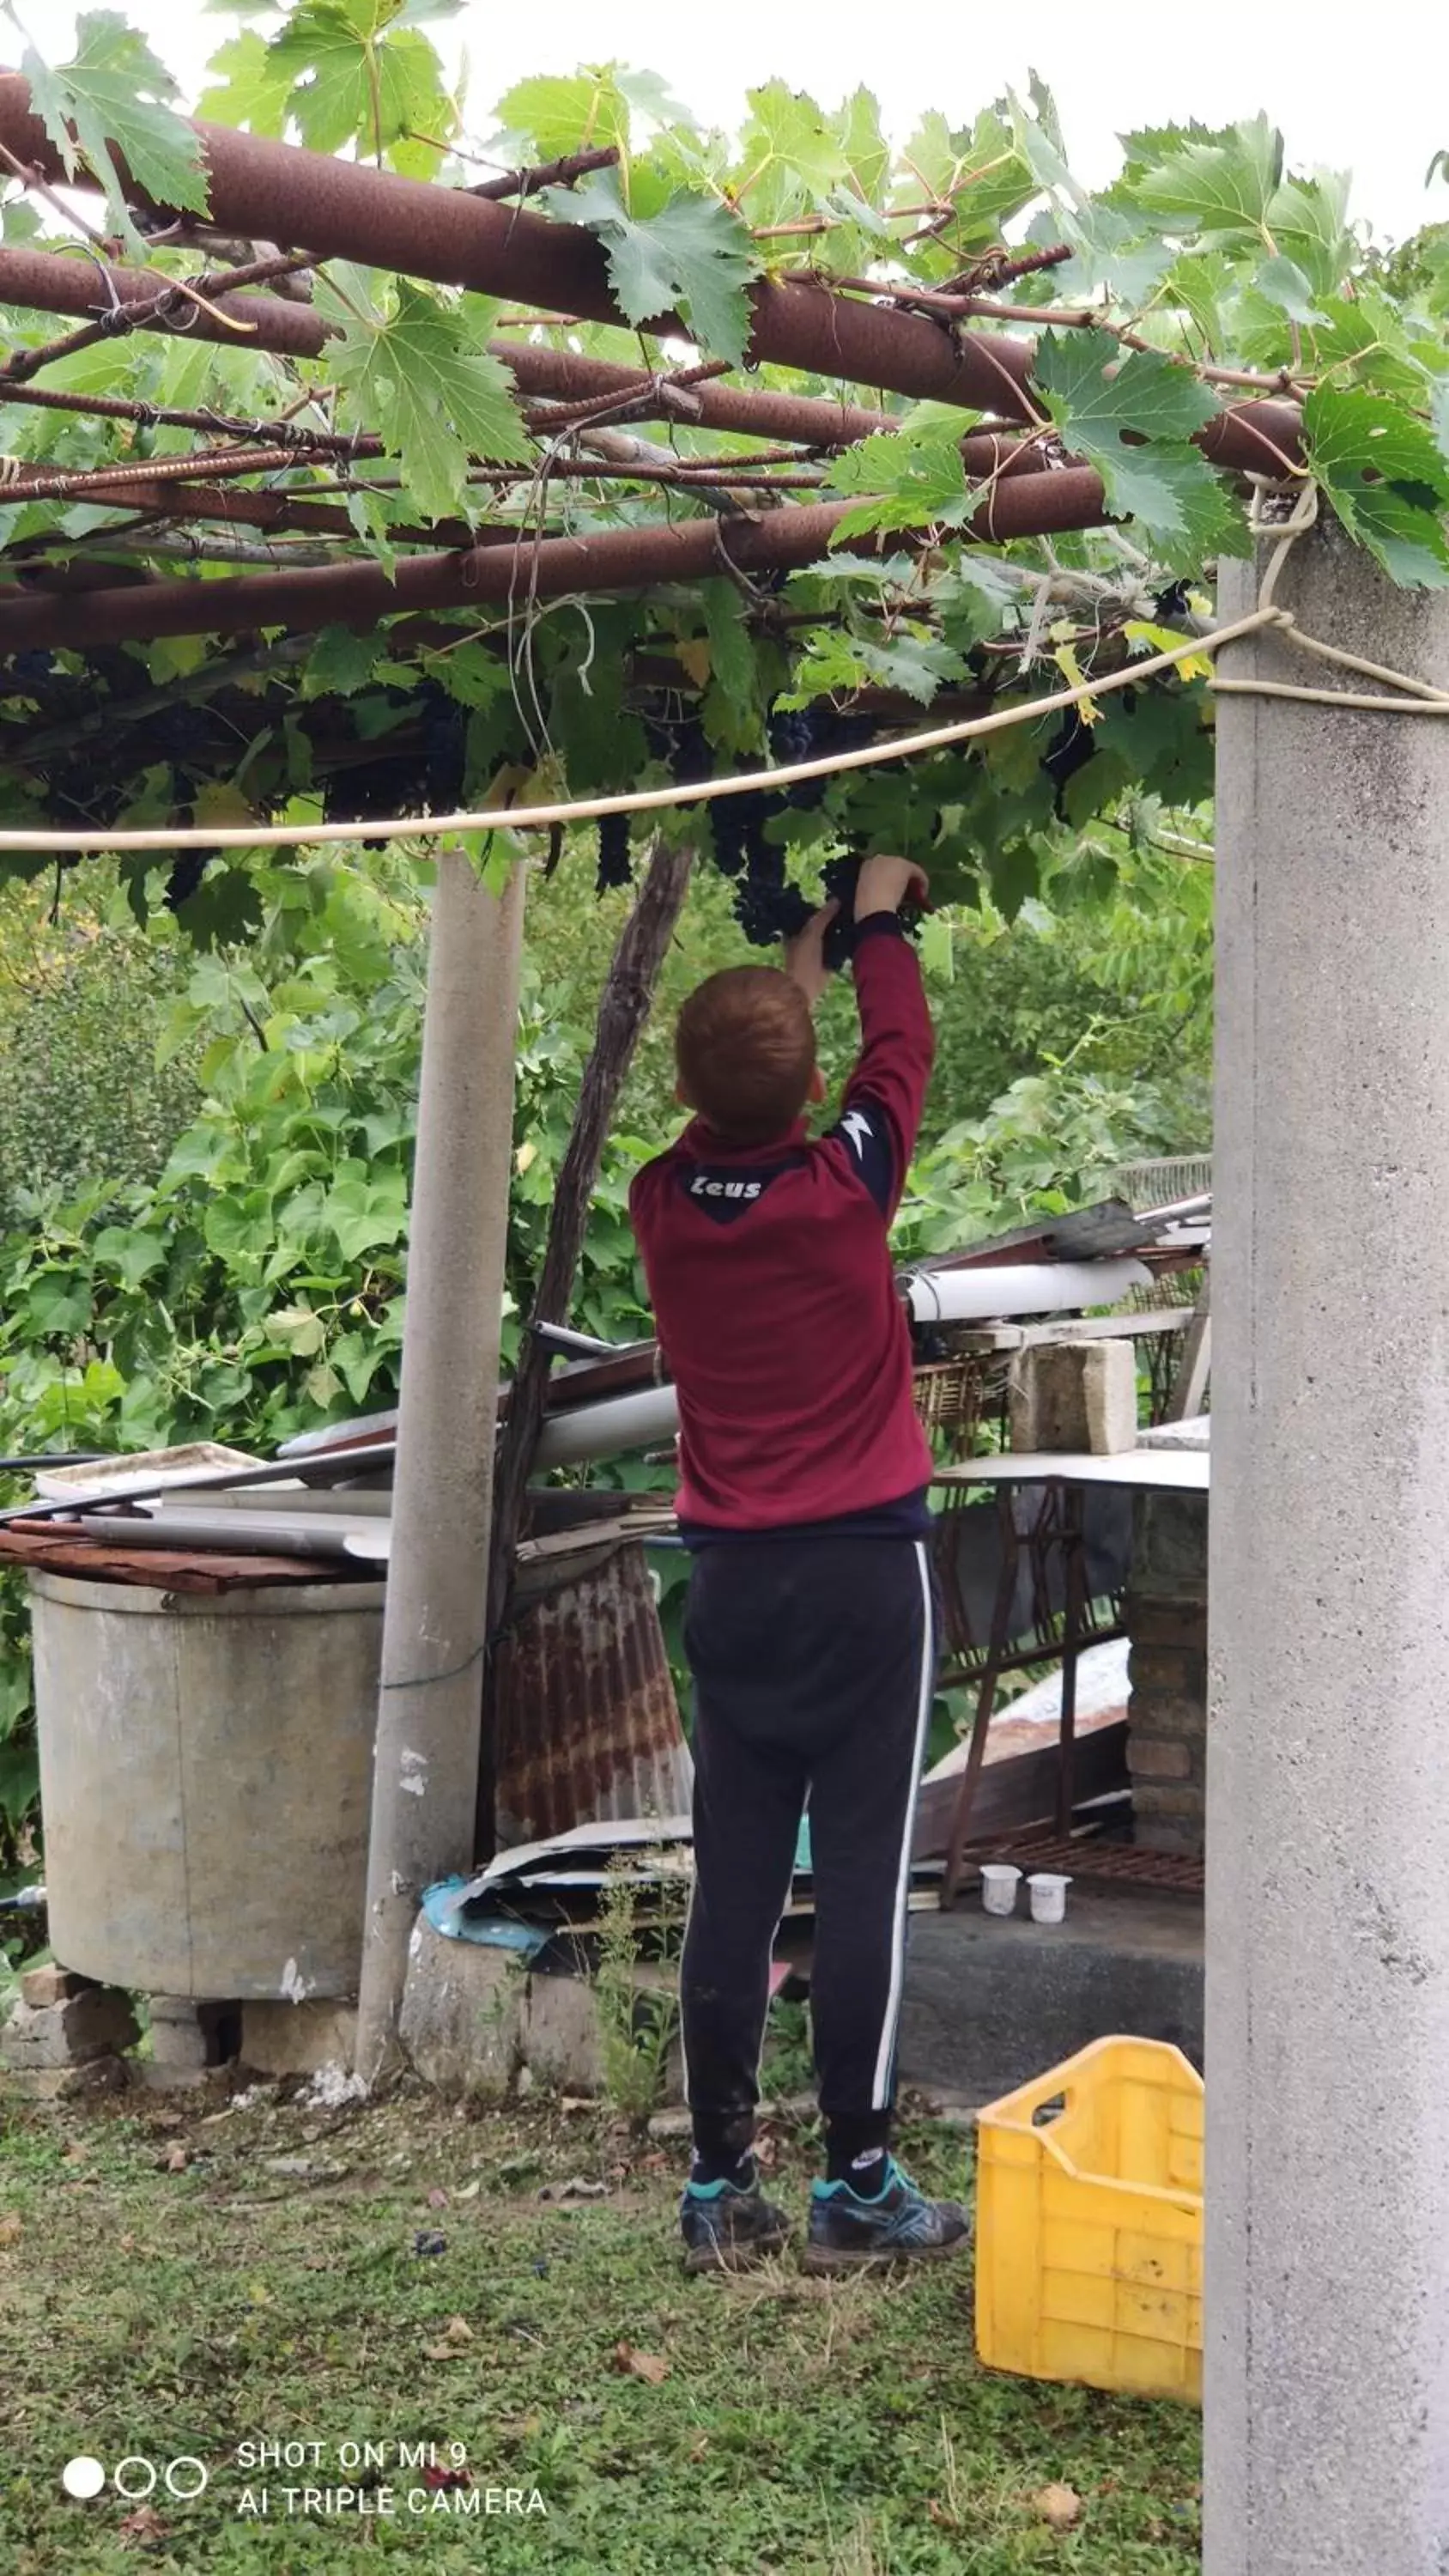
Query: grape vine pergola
x=380, y=469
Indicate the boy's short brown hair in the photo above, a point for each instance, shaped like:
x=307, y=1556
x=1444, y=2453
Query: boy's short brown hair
x=745, y=1047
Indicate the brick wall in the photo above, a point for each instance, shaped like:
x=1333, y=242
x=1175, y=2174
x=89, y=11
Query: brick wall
x=1167, y=1710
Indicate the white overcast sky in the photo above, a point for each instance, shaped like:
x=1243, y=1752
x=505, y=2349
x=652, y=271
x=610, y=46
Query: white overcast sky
x=1354, y=86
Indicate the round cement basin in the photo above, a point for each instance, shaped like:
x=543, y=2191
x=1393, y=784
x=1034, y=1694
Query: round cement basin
x=206, y=1780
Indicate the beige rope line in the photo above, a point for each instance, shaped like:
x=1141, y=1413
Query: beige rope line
x=1418, y=699
x=646, y=800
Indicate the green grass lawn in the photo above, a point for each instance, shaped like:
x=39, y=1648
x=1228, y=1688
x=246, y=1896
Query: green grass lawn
x=166, y=2291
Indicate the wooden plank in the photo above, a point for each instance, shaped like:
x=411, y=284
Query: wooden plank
x=1142, y=1323
x=1182, y=1471
x=1190, y=1385
x=1022, y=1791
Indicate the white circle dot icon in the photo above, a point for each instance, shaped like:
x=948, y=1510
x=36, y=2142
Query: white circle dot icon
x=83, y=2476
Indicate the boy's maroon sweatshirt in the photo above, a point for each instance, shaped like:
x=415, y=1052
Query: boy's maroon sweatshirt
x=774, y=1296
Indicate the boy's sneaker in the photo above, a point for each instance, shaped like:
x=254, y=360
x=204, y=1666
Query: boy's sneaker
x=726, y=2228
x=897, y=2224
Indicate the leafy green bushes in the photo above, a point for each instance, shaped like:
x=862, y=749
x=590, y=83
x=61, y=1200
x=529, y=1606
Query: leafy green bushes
x=83, y=1092
x=252, y=1287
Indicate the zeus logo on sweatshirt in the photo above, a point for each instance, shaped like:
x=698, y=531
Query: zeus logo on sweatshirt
x=724, y=1192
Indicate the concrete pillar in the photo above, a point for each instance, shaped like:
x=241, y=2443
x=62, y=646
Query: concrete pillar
x=425, y=1764
x=1327, y=2363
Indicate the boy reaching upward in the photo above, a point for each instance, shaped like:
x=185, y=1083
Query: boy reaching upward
x=811, y=1623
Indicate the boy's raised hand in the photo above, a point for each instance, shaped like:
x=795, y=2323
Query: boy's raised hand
x=884, y=884
x=805, y=955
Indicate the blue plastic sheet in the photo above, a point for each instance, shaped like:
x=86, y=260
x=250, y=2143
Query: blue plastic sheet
x=443, y=1904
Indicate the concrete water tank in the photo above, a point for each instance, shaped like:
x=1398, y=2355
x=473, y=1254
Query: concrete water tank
x=206, y=1783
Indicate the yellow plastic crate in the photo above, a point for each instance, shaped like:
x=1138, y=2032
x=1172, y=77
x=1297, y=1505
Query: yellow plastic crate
x=1089, y=2223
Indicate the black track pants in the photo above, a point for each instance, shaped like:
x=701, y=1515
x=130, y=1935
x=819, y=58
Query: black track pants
x=814, y=1665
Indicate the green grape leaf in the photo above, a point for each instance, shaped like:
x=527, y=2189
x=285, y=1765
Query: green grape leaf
x=914, y=476
x=1283, y=282
x=1042, y=146
x=1186, y=510
x=420, y=376
x=867, y=152
x=1100, y=401
x=1365, y=340
x=117, y=97
x=651, y=96
x=1094, y=393
x=19, y=222
x=249, y=88
x=832, y=663
x=690, y=257
x=976, y=602
x=350, y=84
x=588, y=111
x=732, y=663
x=1112, y=254
x=985, y=171
x=1045, y=108
x=916, y=663
x=338, y=663
x=1349, y=431
x=1409, y=541
x=1308, y=220
x=1387, y=477
x=1222, y=187
x=1014, y=876
x=790, y=139
x=1149, y=145
x=224, y=909
x=472, y=676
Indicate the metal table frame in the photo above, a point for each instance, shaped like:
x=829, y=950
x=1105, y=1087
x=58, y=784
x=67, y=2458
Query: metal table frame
x=1055, y=1531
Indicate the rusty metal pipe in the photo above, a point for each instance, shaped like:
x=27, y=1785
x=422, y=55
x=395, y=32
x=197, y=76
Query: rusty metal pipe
x=52, y=281
x=342, y=209
x=612, y=559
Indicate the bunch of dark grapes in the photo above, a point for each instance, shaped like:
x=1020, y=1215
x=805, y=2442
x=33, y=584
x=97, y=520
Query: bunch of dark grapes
x=187, y=872
x=681, y=746
x=1070, y=750
x=375, y=789
x=736, y=826
x=795, y=734
x=31, y=671
x=813, y=733
x=616, y=867
x=767, y=907
x=841, y=878
x=444, y=746
x=182, y=734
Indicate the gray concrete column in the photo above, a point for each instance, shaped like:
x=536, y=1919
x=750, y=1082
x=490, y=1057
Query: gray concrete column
x=425, y=1756
x=1327, y=2363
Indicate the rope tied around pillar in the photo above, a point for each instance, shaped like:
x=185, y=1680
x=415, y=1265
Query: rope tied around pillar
x=1419, y=697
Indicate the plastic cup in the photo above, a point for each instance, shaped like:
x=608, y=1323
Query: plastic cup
x=1048, y=1894
x=998, y=1886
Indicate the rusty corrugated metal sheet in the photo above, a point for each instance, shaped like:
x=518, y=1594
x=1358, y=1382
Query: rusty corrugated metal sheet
x=585, y=1720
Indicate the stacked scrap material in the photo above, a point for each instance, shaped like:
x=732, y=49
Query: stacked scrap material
x=583, y=1719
